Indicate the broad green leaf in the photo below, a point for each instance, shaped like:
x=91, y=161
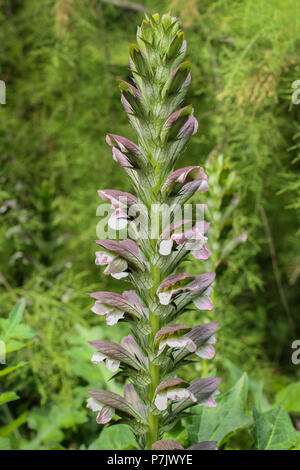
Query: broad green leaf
x=15, y=424
x=274, y=430
x=49, y=422
x=219, y=423
x=289, y=397
x=8, y=370
x=14, y=318
x=117, y=437
x=255, y=387
x=7, y=397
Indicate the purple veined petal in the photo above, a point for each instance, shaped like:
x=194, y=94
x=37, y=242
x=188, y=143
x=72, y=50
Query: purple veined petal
x=177, y=114
x=121, y=158
x=117, y=198
x=170, y=329
x=122, y=143
x=117, y=353
x=173, y=279
x=202, y=280
x=204, y=302
x=128, y=302
x=112, y=365
x=170, y=383
x=203, y=253
x=187, y=173
x=103, y=258
x=105, y=415
x=125, y=249
x=206, y=351
x=189, y=128
x=167, y=445
x=129, y=343
x=168, y=231
x=132, y=397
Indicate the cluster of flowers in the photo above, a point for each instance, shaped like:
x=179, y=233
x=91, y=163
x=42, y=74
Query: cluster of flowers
x=154, y=399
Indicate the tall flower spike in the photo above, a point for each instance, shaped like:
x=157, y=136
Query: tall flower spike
x=154, y=399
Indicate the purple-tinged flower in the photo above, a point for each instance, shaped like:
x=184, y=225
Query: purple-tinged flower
x=192, y=239
x=108, y=403
x=105, y=413
x=116, y=266
x=186, y=181
x=115, y=306
x=120, y=202
x=175, y=286
x=113, y=354
x=172, y=389
x=111, y=364
x=171, y=336
x=203, y=390
x=171, y=287
x=126, y=255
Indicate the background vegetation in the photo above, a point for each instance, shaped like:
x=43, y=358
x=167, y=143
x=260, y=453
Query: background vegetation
x=60, y=60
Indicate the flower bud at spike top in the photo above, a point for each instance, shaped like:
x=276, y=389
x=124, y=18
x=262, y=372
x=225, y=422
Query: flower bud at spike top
x=159, y=291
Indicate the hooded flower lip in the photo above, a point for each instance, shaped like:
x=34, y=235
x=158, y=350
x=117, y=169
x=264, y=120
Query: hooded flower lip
x=172, y=389
x=197, y=340
x=115, y=306
x=189, y=180
x=124, y=255
x=113, y=354
x=108, y=403
x=203, y=390
x=169, y=336
x=105, y=413
x=192, y=239
x=172, y=288
x=116, y=267
x=120, y=202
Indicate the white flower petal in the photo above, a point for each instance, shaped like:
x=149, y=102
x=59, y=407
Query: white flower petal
x=161, y=401
x=112, y=365
x=113, y=317
x=98, y=357
x=119, y=275
x=165, y=297
x=99, y=308
x=206, y=351
x=165, y=247
x=94, y=404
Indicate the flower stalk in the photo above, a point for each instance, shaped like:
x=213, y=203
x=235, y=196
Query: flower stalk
x=149, y=258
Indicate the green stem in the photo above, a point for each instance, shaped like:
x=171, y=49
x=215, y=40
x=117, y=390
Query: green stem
x=153, y=419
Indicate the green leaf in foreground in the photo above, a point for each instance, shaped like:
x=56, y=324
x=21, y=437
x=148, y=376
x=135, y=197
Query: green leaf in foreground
x=289, y=397
x=274, y=430
x=7, y=397
x=117, y=437
x=218, y=424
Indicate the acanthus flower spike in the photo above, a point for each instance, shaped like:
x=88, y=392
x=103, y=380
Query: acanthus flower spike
x=149, y=358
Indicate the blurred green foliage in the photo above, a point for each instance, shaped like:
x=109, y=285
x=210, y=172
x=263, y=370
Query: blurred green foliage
x=60, y=60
